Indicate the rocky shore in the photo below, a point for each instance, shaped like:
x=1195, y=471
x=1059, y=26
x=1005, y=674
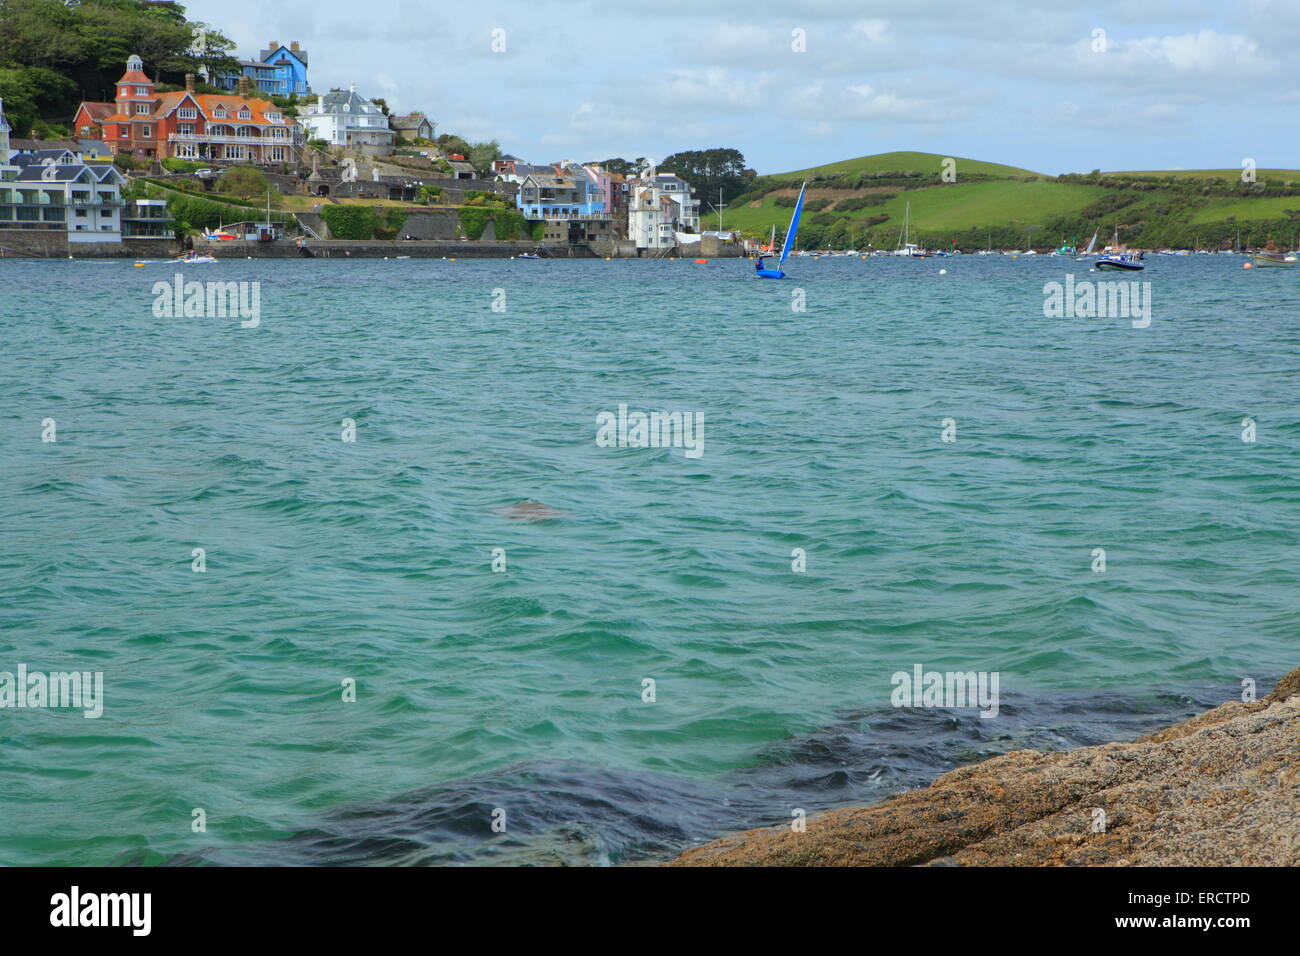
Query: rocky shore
x=1221, y=789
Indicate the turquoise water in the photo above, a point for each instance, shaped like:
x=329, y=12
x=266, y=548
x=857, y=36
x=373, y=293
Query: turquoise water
x=372, y=560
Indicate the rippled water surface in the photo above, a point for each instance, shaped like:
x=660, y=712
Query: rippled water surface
x=522, y=690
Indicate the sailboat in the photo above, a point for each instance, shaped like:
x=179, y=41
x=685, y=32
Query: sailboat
x=1091, y=242
x=789, y=242
x=906, y=248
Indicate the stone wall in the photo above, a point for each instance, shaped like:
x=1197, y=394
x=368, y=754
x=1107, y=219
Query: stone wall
x=379, y=249
x=40, y=243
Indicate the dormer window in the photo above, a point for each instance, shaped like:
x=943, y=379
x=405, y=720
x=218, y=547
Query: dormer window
x=273, y=117
x=219, y=112
x=245, y=113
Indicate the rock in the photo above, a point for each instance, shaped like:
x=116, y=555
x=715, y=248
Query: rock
x=1219, y=789
x=529, y=510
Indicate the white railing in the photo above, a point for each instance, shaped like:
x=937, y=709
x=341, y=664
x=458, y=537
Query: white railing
x=227, y=138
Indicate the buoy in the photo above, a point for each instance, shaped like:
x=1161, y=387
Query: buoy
x=700, y=262
x=453, y=260
x=139, y=265
x=943, y=272
x=1246, y=265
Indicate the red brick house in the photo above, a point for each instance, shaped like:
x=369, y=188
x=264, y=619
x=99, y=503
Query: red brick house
x=233, y=127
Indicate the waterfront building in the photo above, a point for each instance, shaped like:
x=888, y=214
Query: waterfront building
x=56, y=191
x=144, y=124
x=345, y=118
x=660, y=206
x=279, y=70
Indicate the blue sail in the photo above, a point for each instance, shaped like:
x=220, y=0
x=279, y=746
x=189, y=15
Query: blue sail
x=794, y=226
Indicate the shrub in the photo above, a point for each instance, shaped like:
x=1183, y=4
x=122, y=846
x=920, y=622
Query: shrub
x=174, y=165
x=854, y=203
x=473, y=220
x=350, y=222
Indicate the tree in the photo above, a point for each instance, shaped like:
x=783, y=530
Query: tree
x=709, y=170
x=88, y=42
x=619, y=167
x=32, y=92
x=449, y=143
x=246, y=182
x=482, y=155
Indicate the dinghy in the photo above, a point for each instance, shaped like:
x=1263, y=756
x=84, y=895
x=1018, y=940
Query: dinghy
x=776, y=273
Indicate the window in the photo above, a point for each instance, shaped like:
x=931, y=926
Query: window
x=245, y=113
x=126, y=132
x=142, y=91
x=186, y=129
x=219, y=112
x=273, y=117
x=187, y=112
x=146, y=132
x=275, y=154
x=142, y=109
x=125, y=91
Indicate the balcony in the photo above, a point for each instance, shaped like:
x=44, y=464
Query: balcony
x=285, y=140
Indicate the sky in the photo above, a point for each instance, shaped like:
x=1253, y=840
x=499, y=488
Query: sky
x=1057, y=86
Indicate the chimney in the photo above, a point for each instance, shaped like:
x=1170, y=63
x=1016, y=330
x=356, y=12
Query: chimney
x=243, y=86
x=293, y=45
x=320, y=102
x=189, y=82
x=274, y=44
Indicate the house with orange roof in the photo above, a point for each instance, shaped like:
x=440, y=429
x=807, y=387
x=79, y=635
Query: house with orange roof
x=231, y=127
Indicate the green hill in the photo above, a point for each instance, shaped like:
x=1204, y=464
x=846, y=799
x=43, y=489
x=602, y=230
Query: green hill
x=924, y=163
x=860, y=202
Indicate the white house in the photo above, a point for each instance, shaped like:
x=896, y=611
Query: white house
x=659, y=206
x=55, y=190
x=346, y=119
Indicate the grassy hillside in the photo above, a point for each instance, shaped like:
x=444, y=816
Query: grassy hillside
x=940, y=208
x=860, y=202
x=905, y=161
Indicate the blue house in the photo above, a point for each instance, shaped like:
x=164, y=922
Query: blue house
x=280, y=70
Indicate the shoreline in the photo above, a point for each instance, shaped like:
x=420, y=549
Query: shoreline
x=1219, y=789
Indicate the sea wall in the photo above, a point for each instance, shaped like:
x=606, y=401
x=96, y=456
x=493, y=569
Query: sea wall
x=51, y=244
x=380, y=249
x=1220, y=789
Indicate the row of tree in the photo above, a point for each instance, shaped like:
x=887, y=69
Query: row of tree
x=54, y=53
